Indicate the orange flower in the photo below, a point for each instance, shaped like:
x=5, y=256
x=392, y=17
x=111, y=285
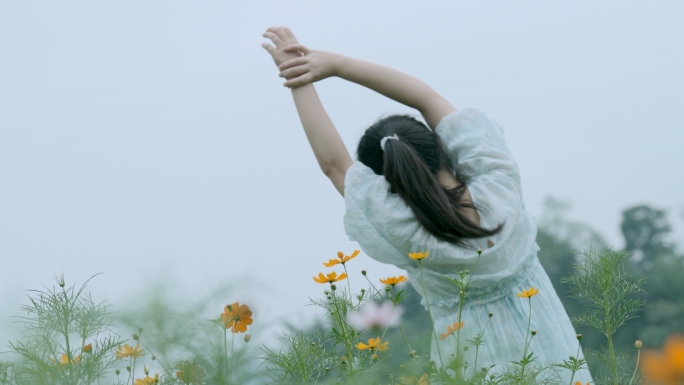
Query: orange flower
x=128, y=351
x=451, y=329
x=528, y=293
x=579, y=383
x=373, y=344
x=666, y=366
x=330, y=278
x=88, y=348
x=341, y=258
x=393, y=280
x=189, y=372
x=418, y=256
x=64, y=360
x=236, y=317
x=423, y=380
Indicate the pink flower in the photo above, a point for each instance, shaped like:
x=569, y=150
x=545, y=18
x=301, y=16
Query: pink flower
x=373, y=316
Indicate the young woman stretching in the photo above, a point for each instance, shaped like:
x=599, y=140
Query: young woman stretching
x=449, y=189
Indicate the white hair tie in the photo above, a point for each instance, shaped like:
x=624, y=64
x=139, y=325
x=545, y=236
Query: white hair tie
x=384, y=140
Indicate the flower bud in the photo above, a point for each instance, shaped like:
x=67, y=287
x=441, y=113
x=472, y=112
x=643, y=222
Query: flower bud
x=128, y=368
x=88, y=348
x=465, y=348
x=327, y=370
x=374, y=358
x=387, y=288
x=333, y=287
x=461, y=294
x=413, y=354
x=490, y=315
x=153, y=357
x=363, y=291
x=117, y=372
x=466, y=272
x=638, y=344
x=140, y=330
x=579, y=337
x=363, y=272
x=313, y=344
x=136, y=337
x=247, y=337
x=479, y=251
x=534, y=332
x=402, y=367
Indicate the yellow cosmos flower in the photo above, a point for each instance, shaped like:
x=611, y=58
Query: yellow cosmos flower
x=528, y=293
x=393, y=280
x=128, y=351
x=451, y=329
x=341, y=258
x=64, y=360
x=418, y=256
x=330, y=278
x=236, y=317
x=373, y=344
x=423, y=380
x=148, y=380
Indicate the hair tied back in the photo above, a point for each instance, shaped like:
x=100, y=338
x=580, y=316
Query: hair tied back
x=384, y=140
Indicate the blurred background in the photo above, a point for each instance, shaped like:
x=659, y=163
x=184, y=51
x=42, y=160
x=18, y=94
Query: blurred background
x=153, y=142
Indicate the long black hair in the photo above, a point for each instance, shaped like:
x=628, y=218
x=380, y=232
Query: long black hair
x=410, y=165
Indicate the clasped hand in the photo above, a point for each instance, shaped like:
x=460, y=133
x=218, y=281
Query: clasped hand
x=297, y=63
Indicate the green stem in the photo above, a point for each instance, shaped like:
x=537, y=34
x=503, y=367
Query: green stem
x=613, y=366
x=527, y=343
x=434, y=332
x=232, y=345
x=225, y=348
x=477, y=348
x=373, y=286
x=577, y=357
x=348, y=284
x=340, y=323
x=635, y=367
x=66, y=331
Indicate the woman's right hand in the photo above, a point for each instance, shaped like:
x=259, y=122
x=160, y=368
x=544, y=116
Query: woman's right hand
x=312, y=66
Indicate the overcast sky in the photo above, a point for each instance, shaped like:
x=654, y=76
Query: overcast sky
x=154, y=141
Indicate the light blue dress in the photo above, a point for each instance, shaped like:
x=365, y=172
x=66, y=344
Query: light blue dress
x=387, y=231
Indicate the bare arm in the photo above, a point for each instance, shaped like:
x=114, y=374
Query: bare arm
x=325, y=141
x=396, y=85
x=330, y=151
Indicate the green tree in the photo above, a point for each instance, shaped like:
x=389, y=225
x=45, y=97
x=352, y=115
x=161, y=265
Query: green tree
x=645, y=229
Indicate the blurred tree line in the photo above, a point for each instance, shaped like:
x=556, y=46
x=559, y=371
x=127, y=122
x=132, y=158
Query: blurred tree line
x=645, y=230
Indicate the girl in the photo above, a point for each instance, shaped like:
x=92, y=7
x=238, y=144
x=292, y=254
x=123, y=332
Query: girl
x=449, y=189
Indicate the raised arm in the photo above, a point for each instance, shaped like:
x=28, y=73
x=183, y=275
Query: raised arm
x=315, y=65
x=325, y=141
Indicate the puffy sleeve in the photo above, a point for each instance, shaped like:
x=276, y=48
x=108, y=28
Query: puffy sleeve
x=479, y=153
x=477, y=146
x=380, y=221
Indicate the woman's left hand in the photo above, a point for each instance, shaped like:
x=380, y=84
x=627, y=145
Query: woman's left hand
x=282, y=37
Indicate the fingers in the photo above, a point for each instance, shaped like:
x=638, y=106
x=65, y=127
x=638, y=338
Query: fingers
x=293, y=72
x=281, y=32
x=274, y=38
x=299, y=81
x=271, y=49
x=298, y=61
x=297, y=47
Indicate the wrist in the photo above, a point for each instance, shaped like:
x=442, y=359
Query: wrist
x=337, y=64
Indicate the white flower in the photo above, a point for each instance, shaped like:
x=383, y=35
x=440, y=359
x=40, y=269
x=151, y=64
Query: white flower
x=373, y=316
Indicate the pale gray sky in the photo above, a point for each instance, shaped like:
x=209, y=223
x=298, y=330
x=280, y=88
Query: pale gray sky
x=153, y=140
